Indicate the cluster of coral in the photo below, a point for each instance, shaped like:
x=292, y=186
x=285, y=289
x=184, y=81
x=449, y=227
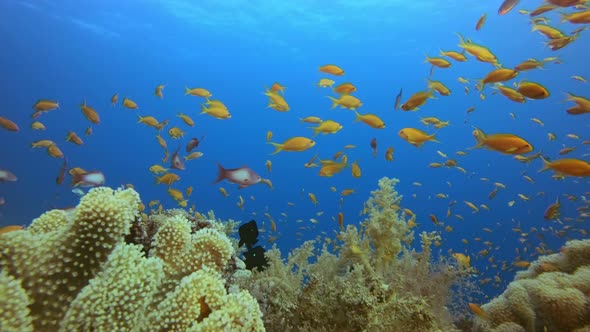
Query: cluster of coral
x=372, y=280
x=552, y=295
x=103, y=266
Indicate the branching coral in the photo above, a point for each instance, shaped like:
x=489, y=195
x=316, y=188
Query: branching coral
x=78, y=273
x=554, y=293
x=374, y=282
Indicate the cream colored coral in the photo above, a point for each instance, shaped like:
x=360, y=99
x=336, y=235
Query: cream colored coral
x=14, y=306
x=200, y=303
x=117, y=298
x=78, y=274
x=49, y=221
x=185, y=253
x=54, y=266
x=236, y=312
x=171, y=244
x=554, y=292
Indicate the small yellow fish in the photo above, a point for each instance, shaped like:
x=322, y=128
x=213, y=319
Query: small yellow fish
x=356, y=170
x=579, y=78
x=37, y=126
x=313, y=198
x=175, y=133
x=128, y=103
x=325, y=83
x=187, y=120
x=159, y=89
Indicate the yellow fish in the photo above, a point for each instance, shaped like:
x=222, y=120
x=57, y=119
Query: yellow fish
x=327, y=127
x=297, y=143
x=416, y=137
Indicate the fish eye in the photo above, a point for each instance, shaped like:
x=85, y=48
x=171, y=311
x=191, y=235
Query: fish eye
x=245, y=180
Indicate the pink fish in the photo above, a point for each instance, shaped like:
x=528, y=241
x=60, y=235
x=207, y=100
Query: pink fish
x=176, y=162
x=2, y=201
x=89, y=179
x=6, y=175
x=244, y=176
x=62, y=172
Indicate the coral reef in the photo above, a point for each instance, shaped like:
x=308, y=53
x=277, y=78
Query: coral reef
x=103, y=266
x=373, y=281
x=552, y=295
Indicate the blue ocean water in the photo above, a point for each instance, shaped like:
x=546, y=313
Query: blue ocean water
x=70, y=52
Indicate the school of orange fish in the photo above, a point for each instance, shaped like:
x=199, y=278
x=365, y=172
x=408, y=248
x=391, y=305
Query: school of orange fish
x=495, y=82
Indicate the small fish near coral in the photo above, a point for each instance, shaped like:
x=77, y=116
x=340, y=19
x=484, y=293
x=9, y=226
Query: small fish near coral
x=254, y=257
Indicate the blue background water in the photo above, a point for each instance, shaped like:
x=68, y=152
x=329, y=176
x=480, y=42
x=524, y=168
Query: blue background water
x=69, y=52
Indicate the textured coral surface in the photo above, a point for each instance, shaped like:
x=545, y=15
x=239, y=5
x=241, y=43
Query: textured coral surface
x=373, y=280
x=80, y=270
x=552, y=295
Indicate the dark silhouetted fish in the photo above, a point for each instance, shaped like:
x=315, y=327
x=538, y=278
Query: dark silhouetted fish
x=248, y=234
x=193, y=144
x=254, y=258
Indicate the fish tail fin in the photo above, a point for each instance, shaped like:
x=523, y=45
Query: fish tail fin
x=186, y=90
x=432, y=138
x=334, y=102
x=564, y=17
x=431, y=94
x=278, y=147
x=461, y=40
x=220, y=173
x=140, y=118
x=204, y=109
x=358, y=116
x=479, y=85
x=546, y=164
x=316, y=130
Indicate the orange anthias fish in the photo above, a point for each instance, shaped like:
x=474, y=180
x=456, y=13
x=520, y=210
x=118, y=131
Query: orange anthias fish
x=332, y=69
x=416, y=100
x=552, y=211
x=480, y=22
x=90, y=113
x=505, y=143
x=12, y=228
x=478, y=311
x=8, y=124
x=507, y=6
x=567, y=167
x=415, y=136
x=297, y=143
